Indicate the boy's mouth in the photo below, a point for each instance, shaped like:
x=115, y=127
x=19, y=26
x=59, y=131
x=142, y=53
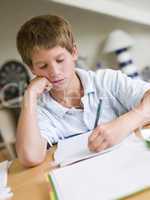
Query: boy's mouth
x=56, y=82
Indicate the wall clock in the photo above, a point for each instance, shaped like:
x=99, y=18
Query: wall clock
x=14, y=79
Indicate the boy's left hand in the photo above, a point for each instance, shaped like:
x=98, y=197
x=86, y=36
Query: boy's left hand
x=106, y=135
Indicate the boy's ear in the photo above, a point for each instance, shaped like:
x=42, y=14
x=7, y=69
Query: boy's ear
x=75, y=53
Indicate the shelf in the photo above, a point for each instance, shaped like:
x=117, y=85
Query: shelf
x=112, y=8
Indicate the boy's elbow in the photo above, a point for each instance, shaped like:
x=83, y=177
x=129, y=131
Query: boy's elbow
x=28, y=159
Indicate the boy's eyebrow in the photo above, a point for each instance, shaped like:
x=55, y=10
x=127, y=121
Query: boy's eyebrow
x=38, y=62
x=41, y=62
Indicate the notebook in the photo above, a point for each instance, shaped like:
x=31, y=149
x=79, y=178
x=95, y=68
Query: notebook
x=109, y=176
x=75, y=149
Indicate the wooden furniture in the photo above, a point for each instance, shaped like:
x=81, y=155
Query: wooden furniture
x=30, y=183
x=7, y=130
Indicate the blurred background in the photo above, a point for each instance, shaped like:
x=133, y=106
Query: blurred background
x=109, y=34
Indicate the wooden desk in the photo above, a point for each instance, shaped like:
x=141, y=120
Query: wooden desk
x=30, y=184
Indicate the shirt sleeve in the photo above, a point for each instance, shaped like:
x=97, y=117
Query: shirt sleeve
x=47, y=130
x=128, y=91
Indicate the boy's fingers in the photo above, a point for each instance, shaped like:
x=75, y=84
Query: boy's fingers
x=48, y=87
x=96, y=133
x=92, y=138
x=93, y=135
x=103, y=146
x=96, y=143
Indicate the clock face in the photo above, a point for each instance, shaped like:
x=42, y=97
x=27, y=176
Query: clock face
x=14, y=79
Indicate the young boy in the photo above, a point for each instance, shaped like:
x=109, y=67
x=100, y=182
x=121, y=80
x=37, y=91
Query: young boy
x=62, y=100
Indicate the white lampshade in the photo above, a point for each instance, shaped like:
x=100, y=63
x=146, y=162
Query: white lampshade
x=118, y=39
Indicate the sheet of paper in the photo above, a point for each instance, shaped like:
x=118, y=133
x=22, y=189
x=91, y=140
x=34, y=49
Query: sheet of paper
x=5, y=192
x=145, y=134
x=110, y=176
x=3, y=173
x=75, y=149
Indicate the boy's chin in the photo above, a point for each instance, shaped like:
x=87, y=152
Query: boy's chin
x=60, y=87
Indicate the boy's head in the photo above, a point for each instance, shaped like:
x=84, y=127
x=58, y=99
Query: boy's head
x=46, y=32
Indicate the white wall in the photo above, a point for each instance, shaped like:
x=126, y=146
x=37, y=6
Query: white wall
x=90, y=30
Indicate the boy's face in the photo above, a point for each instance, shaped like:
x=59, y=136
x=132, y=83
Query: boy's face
x=56, y=64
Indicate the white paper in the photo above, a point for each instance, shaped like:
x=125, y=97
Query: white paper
x=145, y=134
x=5, y=192
x=75, y=149
x=109, y=176
x=3, y=173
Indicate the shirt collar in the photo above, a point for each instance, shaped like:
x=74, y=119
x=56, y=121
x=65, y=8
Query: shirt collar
x=86, y=80
x=58, y=109
x=50, y=104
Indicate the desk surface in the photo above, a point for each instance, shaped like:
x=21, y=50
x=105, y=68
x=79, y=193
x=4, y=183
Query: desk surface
x=31, y=183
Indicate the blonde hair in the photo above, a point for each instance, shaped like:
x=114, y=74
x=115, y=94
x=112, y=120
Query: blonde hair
x=45, y=31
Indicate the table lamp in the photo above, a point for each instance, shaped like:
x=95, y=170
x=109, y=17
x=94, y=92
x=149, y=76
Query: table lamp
x=119, y=42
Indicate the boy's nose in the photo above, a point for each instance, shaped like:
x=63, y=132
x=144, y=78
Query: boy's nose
x=53, y=71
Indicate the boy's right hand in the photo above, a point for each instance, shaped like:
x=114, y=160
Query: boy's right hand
x=38, y=85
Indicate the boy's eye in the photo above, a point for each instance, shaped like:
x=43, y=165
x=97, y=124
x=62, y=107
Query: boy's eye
x=43, y=66
x=60, y=60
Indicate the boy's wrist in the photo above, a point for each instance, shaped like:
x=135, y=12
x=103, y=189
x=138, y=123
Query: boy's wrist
x=30, y=93
x=30, y=98
x=131, y=121
x=143, y=108
x=141, y=115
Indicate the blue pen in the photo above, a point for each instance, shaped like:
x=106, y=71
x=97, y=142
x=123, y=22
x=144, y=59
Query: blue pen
x=98, y=113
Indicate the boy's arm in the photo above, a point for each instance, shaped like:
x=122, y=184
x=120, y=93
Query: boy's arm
x=108, y=134
x=30, y=146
